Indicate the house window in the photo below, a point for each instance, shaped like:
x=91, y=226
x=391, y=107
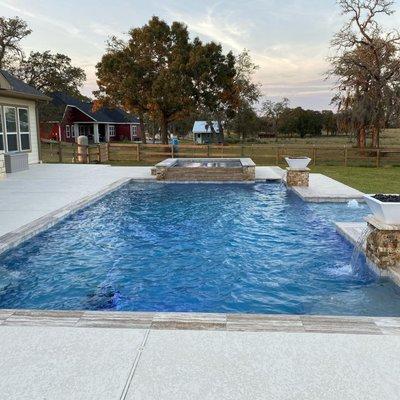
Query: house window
x=111, y=130
x=10, y=115
x=72, y=131
x=134, y=130
x=1, y=133
x=24, y=135
x=67, y=131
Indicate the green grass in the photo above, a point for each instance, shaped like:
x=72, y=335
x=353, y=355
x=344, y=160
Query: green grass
x=368, y=180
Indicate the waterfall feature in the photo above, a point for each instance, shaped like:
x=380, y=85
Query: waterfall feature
x=359, y=249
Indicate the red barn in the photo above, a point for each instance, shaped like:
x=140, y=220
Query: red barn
x=76, y=117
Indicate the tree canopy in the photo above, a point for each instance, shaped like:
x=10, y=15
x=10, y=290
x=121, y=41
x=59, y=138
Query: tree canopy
x=367, y=67
x=51, y=73
x=160, y=72
x=12, y=31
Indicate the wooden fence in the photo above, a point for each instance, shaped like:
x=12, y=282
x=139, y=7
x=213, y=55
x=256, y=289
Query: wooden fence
x=137, y=153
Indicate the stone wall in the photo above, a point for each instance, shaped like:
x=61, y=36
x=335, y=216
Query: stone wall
x=297, y=177
x=383, y=248
x=182, y=174
x=2, y=166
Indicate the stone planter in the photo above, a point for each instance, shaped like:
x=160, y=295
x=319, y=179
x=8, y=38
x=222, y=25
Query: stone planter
x=298, y=162
x=386, y=212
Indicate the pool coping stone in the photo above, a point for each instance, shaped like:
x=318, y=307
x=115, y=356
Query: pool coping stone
x=203, y=321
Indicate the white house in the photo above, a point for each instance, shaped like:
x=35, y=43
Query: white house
x=202, y=132
x=19, y=123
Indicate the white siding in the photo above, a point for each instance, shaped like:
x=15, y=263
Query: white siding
x=31, y=105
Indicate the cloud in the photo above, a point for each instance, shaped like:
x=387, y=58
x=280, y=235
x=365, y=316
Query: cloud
x=287, y=66
x=67, y=27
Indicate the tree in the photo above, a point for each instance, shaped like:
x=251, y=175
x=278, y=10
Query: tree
x=272, y=111
x=301, y=122
x=161, y=74
x=51, y=73
x=329, y=122
x=367, y=67
x=215, y=85
x=149, y=73
x=12, y=31
x=246, y=122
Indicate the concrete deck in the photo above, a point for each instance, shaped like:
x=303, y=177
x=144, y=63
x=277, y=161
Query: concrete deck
x=325, y=189
x=250, y=357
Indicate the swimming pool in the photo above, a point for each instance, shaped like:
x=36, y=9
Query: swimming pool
x=203, y=248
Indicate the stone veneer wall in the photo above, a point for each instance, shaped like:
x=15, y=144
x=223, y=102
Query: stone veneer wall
x=297, y=177
x=205, y=174
x=2, y=166
x=383, y=248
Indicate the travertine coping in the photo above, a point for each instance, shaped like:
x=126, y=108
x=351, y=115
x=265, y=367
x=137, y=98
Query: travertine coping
x=371, y=220
x=204, y=321
x=16, y=237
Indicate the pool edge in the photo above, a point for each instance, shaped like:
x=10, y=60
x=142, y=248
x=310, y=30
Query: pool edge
x=203, y=321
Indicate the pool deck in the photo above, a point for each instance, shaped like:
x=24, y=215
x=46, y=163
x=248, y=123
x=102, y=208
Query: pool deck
x=76, y=355
x=126, y=356
x=325, y=189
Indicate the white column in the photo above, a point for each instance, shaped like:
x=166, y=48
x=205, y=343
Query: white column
x=76, y=131
x=107, y=133
x=2, y=165
x=96, y=137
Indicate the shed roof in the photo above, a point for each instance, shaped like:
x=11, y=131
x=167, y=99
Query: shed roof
x=12, y=85
x=102, y=115
x=204, y=127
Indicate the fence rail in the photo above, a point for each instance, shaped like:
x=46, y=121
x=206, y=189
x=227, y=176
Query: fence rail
x=133, y=153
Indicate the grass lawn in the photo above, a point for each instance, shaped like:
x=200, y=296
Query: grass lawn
x=368, y=180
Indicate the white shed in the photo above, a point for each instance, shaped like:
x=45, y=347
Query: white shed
x=203, y=134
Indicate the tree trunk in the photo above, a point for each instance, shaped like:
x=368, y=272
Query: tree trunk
x=361, y=139
x=221, y=130
x=375, y=138
x=164, y=130
x=142, y=129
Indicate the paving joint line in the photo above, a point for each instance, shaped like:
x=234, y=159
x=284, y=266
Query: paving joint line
x=134, y=366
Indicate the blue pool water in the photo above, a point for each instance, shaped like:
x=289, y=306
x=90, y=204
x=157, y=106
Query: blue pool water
x=212, y=248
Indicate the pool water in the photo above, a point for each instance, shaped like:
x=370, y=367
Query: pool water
x=210, y=247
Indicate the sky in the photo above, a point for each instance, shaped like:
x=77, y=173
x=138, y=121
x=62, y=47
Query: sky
x=288, y=39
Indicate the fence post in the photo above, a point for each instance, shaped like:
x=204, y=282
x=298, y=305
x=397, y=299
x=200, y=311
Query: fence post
x=378, y=158
x=138, y=152
x=172, y=151
x=277, y=155
x=59, y=152
x=242, y=151
x=208, y=150
x=314, y=156
x=345, y=156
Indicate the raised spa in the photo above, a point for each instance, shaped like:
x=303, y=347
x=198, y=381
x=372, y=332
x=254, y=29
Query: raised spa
x=206, y=170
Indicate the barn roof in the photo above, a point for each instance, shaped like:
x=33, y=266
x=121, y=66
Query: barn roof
x=104, y=114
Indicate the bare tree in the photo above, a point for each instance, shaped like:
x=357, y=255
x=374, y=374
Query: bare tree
x=366, y=66
x=12, y=31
